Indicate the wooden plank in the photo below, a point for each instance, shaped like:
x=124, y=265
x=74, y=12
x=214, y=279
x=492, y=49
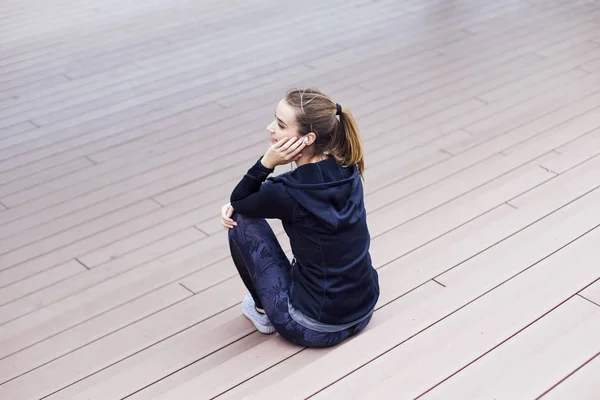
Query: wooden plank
x=130, y=340
x=347, y=55
x=75, y=239
x=527, y=377
x=504, y=52
x=493, y=47
x=579, y=180
x=224, y=37
x=574, y=185
x=139, y=230
x=21, y=95
x=96, y=26
x=271, y=352
x=582, y=384
x=592, y=66
x=16, y=128
x=564, y=69
x=524, y=132
x=91, y=32
x=92, y=331
x=460, y=80
x=205, y=382
x=554, y=25
x=517, y=140
x=187, y=121
x=129, y=187
x=194, y=59
x=531, y=377
x=12, y=90
x=468, y=325
x=17, y=290
x=515, y=351
x=220, y=337
x=575, y=152
x=135, y=242
x=51, y=174
x=85, y=246
x=519, y=115
x=76, y=284
x=566, y=43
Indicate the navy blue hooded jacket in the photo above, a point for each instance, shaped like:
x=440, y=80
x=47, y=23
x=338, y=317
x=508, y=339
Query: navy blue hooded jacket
x=321, y=206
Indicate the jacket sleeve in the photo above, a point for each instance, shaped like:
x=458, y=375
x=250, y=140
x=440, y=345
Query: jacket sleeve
x=256, y=197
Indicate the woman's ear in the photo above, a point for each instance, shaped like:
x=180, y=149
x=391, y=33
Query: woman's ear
x=309, y=138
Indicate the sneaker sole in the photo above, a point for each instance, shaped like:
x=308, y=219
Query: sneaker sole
x=267, y=330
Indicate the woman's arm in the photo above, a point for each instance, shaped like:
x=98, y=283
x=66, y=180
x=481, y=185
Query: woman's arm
x=251, y=182
x=254, y=197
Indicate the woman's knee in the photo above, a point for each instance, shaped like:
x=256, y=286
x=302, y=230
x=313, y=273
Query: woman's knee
x=245, y=221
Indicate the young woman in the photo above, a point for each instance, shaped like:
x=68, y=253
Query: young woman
x=329, y=290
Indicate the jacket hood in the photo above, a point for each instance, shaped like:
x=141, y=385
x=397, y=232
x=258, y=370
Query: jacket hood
x=327, y=190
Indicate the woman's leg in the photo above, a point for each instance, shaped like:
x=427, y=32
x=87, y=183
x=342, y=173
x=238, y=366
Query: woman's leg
x=265, y=270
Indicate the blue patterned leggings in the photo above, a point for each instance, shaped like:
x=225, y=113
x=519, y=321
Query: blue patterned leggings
x=265, y=270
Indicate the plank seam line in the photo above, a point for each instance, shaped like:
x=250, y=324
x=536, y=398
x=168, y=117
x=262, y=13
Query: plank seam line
x=466, y=193
x=259, y=373
x=187, y=288
x=549, y=170
x=201, y=230
x=482, y=100
x=82, y=264
x=189, y=365
x=524, y=328
x=438, y=282
x=152, y=199
x=447, y=152
x=568, y=376
x=585, y=298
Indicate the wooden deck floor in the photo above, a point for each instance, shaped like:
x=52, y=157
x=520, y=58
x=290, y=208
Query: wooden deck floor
x=124, y=125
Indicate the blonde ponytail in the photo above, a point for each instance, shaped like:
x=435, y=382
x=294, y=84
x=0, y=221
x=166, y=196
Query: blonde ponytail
x=347, y=145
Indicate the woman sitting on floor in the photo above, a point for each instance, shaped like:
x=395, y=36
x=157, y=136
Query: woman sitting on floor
x=329, y=291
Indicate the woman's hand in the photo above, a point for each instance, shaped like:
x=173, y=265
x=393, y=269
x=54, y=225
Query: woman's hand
x=226, y=213
x=283, y=152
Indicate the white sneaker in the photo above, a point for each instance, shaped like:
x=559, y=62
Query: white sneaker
x=260, y=321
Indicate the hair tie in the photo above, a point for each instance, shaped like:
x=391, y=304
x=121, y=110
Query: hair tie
x=339, y=109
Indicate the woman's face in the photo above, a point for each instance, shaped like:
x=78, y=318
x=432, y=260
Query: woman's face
x=284, y=125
